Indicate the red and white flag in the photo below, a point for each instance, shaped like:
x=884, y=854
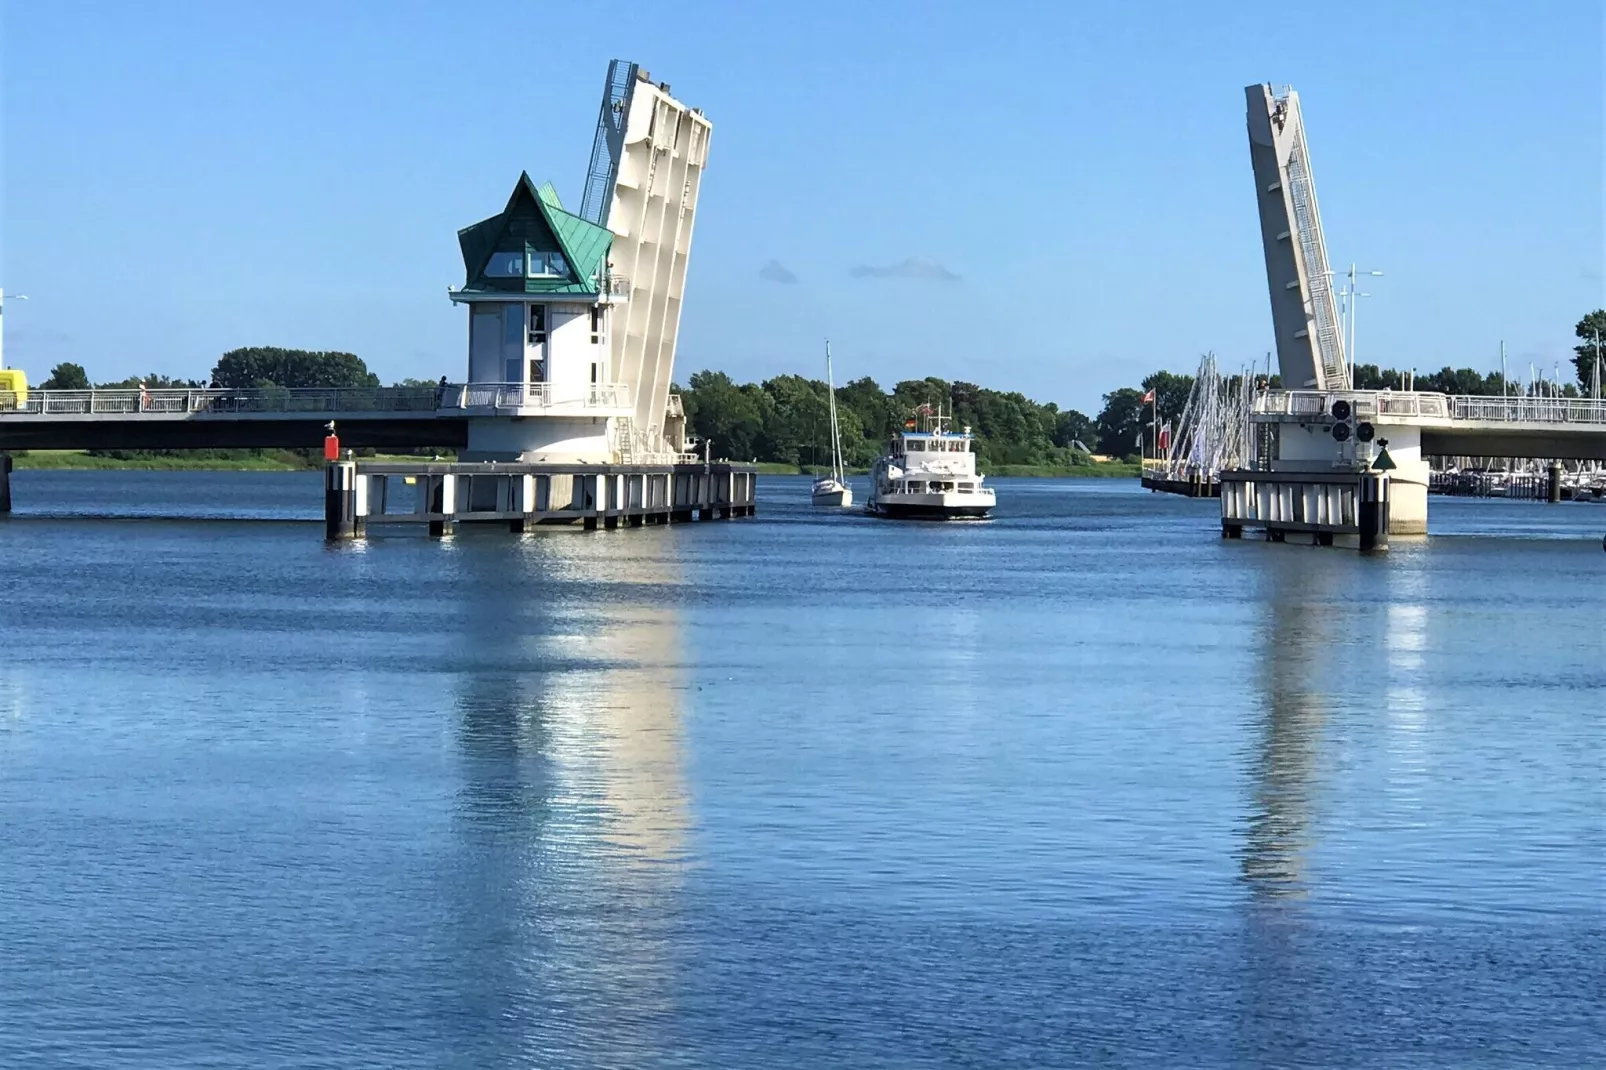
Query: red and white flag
x=1165, y=436
x=1147, y=398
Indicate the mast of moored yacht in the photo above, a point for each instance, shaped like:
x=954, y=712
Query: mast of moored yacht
x=837, y=471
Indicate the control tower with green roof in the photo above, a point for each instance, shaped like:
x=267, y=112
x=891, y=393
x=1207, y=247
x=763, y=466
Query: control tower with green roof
x=573, y=317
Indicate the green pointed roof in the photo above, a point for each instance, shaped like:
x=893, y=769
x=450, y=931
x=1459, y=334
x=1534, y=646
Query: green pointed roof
x=535, y=221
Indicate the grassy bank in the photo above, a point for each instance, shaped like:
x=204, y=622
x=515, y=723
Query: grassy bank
x=1108, y=469
x=60, y=460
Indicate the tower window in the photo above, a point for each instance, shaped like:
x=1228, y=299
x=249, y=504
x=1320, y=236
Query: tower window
x=597, y=321
x=505, y=266
x=537, y=325
x=547, y=265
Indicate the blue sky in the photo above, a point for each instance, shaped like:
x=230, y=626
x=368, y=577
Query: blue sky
x=182, y=178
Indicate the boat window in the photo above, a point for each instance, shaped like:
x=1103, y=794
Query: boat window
x=915, y=486
x=967, y=486
x=914, y=445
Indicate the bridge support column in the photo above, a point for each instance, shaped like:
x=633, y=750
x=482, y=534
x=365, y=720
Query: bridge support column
x=5, y=483
x=1372, y=511
x=340, y=500
x=443, y=500
x=1553, y=488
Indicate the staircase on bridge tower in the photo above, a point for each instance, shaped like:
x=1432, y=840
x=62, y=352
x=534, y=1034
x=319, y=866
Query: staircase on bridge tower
x=1310, y=345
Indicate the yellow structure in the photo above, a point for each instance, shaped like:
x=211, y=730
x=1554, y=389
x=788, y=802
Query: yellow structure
x=13, y=388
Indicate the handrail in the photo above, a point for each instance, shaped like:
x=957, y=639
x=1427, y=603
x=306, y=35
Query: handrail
x=170, y=403
x=515, y=396
x=1512, y=408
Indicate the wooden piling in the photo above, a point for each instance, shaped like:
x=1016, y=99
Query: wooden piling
x=5, y=484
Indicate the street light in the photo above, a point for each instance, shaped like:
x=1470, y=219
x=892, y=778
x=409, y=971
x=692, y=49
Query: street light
x=1352, y=293
x=14, y=297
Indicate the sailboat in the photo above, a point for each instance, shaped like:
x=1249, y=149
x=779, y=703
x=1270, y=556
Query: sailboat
x=833, y=489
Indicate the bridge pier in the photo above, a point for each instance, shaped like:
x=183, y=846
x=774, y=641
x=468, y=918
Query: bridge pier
x=5, y=484
x=1553, y=488
x=340, y=501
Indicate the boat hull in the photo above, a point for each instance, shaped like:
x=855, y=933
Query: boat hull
x=900, y=511
x=836, y=499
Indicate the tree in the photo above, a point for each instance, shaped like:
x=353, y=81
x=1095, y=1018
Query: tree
x=259, y=366
x=1592, y=329
x=729, y=416
x=152, y=381
x=1121, y=421
x=1071, y=427
x=1170, y=394
x=66, y=376
x=866, y=400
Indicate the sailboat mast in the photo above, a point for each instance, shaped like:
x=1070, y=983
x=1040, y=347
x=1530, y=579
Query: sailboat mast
x=836, y=436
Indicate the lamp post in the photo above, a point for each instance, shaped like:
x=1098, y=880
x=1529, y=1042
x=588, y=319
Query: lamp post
x=14, y=297
x=1351, y=293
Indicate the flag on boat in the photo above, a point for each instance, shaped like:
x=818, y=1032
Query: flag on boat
x=1147, y=398
x=909, y=424
x=924, y=410
x=1165, y=436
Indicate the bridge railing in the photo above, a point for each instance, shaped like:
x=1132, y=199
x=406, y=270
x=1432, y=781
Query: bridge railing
x=183, y=402
x=1533, y=410
x=497, y=397
x=515, y=396
x=1371, y=404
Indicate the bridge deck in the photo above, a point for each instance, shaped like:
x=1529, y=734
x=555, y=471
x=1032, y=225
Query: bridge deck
x=1461, y=425
x=279, y=418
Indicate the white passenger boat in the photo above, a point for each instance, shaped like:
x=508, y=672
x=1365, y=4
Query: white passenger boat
x=833, y=489
x=929, y=473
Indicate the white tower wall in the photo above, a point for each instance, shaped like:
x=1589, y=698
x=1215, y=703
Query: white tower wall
x=651, y=211
x=1310, y=346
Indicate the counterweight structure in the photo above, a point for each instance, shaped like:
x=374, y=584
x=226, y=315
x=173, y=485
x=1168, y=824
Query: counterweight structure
x=1310, y=345
x=646, y=170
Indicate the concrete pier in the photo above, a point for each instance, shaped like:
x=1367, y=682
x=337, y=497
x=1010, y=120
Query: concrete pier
x=523, y=496
x=5, y=483
x=1315, y=508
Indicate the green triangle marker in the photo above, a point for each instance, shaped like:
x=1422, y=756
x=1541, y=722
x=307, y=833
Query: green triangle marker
x=1384, y=462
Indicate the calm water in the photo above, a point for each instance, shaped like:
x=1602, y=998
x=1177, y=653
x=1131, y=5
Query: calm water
x=1081, y=786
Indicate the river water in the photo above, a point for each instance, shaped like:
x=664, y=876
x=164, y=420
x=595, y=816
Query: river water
x=1084, y=785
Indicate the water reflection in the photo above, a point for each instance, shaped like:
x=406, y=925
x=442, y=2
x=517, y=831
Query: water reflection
x=1297, y=632
x=572, y=800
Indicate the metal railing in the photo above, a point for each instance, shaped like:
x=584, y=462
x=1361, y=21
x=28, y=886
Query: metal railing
x=1529, y=410
x=273, y=400
x=515, y=396
x=1379, y=403
x=166, y=402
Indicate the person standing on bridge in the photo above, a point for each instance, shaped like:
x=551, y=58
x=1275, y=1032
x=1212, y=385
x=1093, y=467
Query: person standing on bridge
x=440, y=393
x=144, y=397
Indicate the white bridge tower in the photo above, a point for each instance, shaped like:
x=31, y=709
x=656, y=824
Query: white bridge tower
x=1310, y=344
x=646, y=170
